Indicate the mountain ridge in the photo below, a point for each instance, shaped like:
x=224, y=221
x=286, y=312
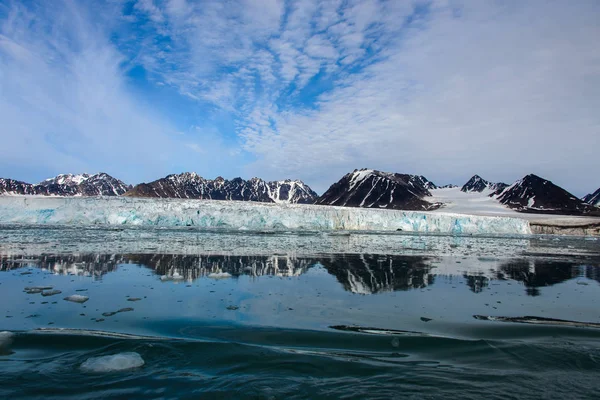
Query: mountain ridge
x=190, y=185
x=99, y=184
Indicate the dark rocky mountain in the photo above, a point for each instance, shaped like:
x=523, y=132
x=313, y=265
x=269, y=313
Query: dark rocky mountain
x=190, y=185
x=100, y=184
x=538, y=195
x=375, y=189
x=592, y=198
x=449, y=186
x=478, y=184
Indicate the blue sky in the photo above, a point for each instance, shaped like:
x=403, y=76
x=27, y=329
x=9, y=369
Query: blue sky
x=301, y=89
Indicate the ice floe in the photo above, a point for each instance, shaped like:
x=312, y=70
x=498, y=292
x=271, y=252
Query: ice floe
x=77, y=298
x=112, y=363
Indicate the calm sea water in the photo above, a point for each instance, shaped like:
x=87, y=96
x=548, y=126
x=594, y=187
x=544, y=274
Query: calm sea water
x=279, y=315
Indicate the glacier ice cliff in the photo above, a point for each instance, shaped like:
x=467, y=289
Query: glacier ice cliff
x=243, y=215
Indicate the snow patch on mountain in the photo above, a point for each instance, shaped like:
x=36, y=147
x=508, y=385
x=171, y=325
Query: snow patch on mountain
x=474, y=203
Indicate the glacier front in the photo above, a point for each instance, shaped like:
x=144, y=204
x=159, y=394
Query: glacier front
x=239, y=215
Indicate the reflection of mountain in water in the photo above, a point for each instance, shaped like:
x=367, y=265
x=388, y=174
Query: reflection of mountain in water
x=366, y=273
x=82, y=265
x=363, y=274
x=534, y=274
x=194, y=267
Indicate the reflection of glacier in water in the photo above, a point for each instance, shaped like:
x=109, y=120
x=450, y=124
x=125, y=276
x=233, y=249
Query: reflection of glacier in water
x=361, y=274
x=34, y=240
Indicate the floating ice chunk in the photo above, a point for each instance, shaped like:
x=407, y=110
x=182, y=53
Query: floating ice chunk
x=115, y=362
x=77, y=298
x=36, y=289
x=176, y=276
x=219, y=275
x=6, y=339
x=50, y=292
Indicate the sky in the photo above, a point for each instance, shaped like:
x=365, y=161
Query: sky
x=301, y=89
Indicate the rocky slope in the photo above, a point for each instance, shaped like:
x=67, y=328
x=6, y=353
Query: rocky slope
x=592, y=198
x=375, y=189
x=190, y=185
x=100, y=184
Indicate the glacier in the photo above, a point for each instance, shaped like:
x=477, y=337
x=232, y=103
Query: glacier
x=237, y=215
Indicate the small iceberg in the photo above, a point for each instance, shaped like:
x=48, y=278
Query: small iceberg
x=47, y=293
x=219, y=275
x=6, y=339
x=36, y=289
x=115, y=362
x=176, y=276
x=77, y=298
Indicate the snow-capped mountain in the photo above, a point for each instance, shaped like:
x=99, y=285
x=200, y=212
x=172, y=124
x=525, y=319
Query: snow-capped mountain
x=100, y=184
x=11, y=186
x=190, y=185
x=371, y=188
x=478, y=184
x=535, y=194
x=592, y=198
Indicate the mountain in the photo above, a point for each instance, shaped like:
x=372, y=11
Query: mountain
x=592, y=198
x=190, y=185
x=11, y=186
x=100, y=184
x=371, y=188
x=478, y=184
x=538, y=195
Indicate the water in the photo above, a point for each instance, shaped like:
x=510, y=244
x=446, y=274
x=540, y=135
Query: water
x=289, y=315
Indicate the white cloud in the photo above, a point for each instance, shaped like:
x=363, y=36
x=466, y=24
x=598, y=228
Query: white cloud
x=65, y=104
x=149, y=8
x=499, y=90
x=442, y=88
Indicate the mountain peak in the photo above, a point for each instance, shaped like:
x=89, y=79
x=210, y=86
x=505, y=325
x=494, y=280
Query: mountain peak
x=478, y=184
x=376, y=189
x=536, y=194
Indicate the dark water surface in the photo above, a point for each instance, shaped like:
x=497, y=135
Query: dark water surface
x=274, y=315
